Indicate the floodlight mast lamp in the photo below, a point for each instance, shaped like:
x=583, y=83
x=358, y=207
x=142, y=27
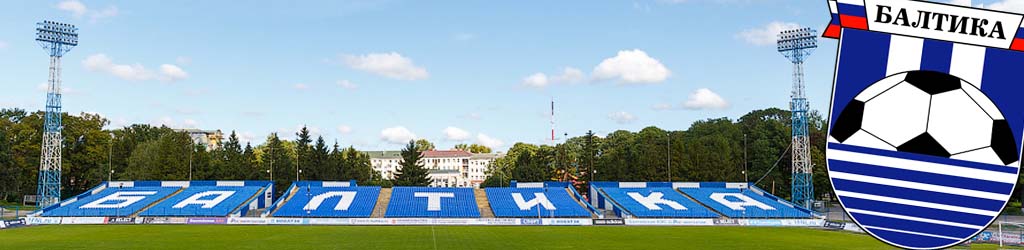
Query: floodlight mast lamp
x=796, y=45
x=57, y=39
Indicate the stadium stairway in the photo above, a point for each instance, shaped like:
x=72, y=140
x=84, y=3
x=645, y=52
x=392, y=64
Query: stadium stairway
x=257, y=195
x=136, y=214
x=382, y=203
x=701, y=203
x=615, y=203
x=483, y=203
x=287, y=197
x=579, y=202
x=609, y=214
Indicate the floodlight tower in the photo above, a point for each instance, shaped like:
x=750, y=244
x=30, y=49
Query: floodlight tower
x=796, y=45
x=57, y=39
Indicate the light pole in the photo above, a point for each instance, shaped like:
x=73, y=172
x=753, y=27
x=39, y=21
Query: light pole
x=190, y=150
x=110, y=157
x=745, y=178
x=271, y=163
x=669, y=153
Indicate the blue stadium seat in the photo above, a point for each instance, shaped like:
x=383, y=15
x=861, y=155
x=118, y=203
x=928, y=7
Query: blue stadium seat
x=203, y=201
x=327, y=202
x=412, y=202
x=523, y=202
x=744, y=203
x=113, y=201
x=658, y=203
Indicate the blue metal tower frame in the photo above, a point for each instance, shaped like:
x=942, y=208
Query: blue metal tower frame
x=57, y=39
x=796, y=45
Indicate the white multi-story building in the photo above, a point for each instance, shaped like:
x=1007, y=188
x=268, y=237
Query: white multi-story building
x=448, y=168
x=209, y=138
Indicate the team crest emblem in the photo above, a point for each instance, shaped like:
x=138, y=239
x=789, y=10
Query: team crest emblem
x=926, y=123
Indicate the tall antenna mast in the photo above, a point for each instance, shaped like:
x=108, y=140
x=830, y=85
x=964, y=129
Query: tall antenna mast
x=552, y=120
x=797, y=45
x=57, y=39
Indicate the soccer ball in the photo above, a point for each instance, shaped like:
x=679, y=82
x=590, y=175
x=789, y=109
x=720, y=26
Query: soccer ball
x=930, y=113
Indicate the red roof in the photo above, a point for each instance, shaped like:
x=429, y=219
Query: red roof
x=445, y=154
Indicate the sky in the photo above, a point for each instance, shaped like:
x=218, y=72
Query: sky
x=375, y=74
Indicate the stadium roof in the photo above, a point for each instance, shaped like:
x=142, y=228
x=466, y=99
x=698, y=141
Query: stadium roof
x=384, y=154
x=446, y=154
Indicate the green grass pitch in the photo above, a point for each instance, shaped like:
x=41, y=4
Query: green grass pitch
x=428, y=237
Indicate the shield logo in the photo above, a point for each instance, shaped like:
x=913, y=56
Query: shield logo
x=926, y=118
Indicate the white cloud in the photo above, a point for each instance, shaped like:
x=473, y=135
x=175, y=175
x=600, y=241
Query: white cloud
x=538, y=80
x=300, y=86
x=103, y=63
x=662, y=106
x=464, y=36
x=79, y=10
x=397, y=135
x=344, y=129
x=189, y=123
x=632, y=67
x=471, y=116
x=76, y=8
x=110, y=11
x=132, y=72
x=1005, y=5
x=391, y=65
x=165, y=121
x=183, y=60
x=455, y=134
x=766, y=35
x=246, y=137
x=622, y=117
x=488, y=141
x=570, y=75
x=705, y=99
x=186, y=111
x=171, y=73
x=345, y=84
x=961, y=2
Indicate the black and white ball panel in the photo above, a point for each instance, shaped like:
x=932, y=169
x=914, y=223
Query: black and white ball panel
x=898, y=114
x=927, y=112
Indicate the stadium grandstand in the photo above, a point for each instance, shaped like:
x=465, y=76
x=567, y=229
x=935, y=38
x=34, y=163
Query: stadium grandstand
x=691, y=200
x=327, y=199
x=343, y=200
x=166, y=198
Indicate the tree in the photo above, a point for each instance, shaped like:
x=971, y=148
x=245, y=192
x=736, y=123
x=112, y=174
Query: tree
x=337, y=164
x=302, y=154
x=232, y=165
x=357, y=165
x=319, y=164
x=166, y=158
x=412, y=172
x=473, y=148
x=249, y=165
x=275, y=157
x=424, y=145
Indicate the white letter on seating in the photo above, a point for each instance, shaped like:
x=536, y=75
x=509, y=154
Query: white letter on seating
x=527, y=205
x=194, y=199
x=433, y=199
x=126, y=197
x=343, y=204
x=738, y=205
x=652, y=201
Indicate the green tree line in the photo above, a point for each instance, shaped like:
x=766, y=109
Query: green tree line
x=92, y=154
x=710, y=150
